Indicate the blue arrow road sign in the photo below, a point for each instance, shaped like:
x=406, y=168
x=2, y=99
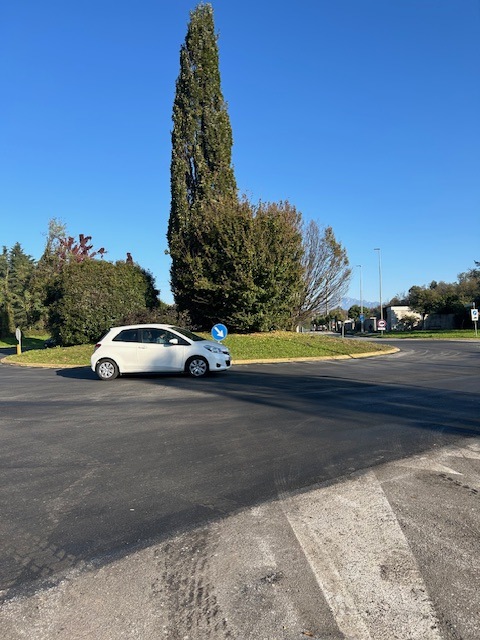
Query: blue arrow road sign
x=219, y=331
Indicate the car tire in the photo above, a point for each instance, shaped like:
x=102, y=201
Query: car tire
x=107, y=369
x=196, y=367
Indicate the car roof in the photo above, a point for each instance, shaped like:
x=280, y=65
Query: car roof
x=151, y=325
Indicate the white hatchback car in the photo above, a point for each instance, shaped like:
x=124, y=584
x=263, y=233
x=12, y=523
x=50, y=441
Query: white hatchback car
x=150, y=348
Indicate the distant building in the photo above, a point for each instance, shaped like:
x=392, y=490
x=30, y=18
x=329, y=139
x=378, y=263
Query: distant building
x=395, y=314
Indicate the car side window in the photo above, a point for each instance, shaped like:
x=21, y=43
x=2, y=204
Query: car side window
x=180, y=341
x=127, y=335
x=170, y=336
x=154, y=336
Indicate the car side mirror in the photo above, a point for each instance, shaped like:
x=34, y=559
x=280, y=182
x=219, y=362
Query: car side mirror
x=173, y=341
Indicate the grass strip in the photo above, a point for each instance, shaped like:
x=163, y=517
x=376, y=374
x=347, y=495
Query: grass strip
x=257, y=346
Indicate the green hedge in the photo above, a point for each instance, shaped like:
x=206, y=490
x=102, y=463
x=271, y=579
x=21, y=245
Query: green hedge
x=89, y=297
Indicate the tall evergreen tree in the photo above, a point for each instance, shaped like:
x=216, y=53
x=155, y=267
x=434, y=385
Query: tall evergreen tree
x=17, y=303
x=201, y=169
x=7, y=323
x=21, y=268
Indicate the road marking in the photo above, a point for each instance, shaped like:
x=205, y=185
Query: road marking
x=362, y=561
x=472, y=452
x=434, y=461
x=426, y=464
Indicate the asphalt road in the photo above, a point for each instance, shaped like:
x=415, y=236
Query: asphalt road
x=92, y=471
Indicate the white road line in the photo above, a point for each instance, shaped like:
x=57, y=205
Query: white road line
x=362, y=561
x=434, y=461
x=427, y=464
x=472, y=452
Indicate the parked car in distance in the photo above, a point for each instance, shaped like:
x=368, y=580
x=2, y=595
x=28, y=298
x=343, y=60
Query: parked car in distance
x=151, y=348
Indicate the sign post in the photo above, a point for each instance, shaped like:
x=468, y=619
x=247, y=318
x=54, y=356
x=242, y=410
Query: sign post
x=18, y=335
x=474, y=313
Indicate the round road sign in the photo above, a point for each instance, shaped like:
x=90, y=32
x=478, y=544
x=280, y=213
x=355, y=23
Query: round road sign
x=219, y=332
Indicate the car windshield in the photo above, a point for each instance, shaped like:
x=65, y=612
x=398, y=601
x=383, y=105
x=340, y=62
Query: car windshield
x=188, y=334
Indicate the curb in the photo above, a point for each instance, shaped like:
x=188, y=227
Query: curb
x=352, y=356
x=39, y=365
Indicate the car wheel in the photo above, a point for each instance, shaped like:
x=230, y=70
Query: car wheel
x=196, y=367
x=107, y=370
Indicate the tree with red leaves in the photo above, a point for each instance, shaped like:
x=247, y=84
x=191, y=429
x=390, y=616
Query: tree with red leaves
x=77, y=251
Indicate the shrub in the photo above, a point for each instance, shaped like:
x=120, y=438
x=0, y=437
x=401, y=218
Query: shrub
x=87, y=298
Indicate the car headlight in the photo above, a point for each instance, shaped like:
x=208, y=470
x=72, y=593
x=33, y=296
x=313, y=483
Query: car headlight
x=214, y=349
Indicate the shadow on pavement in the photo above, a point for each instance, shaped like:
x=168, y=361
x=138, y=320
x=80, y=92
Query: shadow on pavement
x=77, y=373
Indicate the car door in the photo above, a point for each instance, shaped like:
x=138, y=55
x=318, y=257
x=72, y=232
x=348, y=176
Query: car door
x=156, y=352
x=124, y=350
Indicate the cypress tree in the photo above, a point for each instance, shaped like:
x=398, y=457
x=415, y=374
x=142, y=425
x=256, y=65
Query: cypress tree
x=7, y=324
x=201, y=170
x=17, y=302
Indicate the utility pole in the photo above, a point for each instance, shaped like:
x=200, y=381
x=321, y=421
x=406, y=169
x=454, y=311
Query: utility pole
x=380, y=281
x=362, y=319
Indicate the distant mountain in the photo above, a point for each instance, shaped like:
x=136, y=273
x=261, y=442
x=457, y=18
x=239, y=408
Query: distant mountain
x=346, y=303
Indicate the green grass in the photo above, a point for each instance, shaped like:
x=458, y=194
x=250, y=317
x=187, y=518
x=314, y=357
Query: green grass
x=72, y=356
x=28, y=342
x=434, y=335
x=285, y=344
x=258, y=346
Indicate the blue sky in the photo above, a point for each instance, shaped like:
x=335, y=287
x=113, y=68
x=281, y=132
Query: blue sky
x=364, y=114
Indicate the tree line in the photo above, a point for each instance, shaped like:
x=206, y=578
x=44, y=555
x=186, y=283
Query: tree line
x=454, y=298
x=71, y=291
x=449, y=298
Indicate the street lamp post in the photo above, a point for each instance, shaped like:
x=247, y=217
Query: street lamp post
x=362, y=319
x=380, y=281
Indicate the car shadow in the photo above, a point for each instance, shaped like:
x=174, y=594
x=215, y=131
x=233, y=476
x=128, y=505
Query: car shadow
x=77, y=373
x=86, y=373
